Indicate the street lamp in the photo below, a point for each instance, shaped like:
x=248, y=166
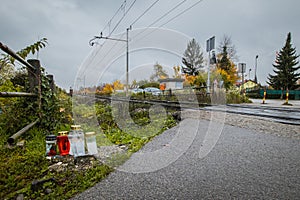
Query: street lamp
x=255, y=78
x=249, y=74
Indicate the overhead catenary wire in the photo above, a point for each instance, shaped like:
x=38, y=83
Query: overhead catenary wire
x=167, y=13
x=122, y=17
x=109, y=22
x=153, y=23
x=185, y=10
x=126, y=12
x=181, y=13
x=137, y=19
x=160, y=18
x=118, y=23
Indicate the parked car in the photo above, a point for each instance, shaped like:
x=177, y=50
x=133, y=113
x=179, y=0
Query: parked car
x=153, y=91
x=137, y=90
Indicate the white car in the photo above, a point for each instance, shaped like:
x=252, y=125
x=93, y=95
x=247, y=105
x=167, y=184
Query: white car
x=137, y=90
x=153, y=91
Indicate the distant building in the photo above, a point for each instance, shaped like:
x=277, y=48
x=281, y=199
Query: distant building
x=248, y=85
x=172, y=83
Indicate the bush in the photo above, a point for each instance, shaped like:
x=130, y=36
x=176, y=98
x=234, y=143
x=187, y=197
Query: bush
x=234, y=96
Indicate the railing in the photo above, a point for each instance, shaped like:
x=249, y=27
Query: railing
x=275, y=94
x=34, y=90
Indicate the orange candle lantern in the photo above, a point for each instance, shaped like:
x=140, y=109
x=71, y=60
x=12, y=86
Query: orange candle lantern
x=63, y=143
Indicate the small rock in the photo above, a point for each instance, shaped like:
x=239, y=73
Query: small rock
x=48, y=191
x=21, y=143
x=20, y=197
x=56, y=167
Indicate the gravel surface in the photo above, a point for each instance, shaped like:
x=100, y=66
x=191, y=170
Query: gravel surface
x=258, y=124
x=245, y=163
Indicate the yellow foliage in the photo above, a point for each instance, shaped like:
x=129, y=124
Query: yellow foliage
x=229, y=76
x=117, y=85
x=163, y=77
x=189, y=79
x=177, y=72
x=107, y=89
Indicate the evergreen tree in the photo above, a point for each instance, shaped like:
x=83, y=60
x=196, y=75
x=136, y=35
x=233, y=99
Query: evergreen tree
x=192, y=58
x=230, y=48
x=224, y=62
x=285, y=67
x=225, y=66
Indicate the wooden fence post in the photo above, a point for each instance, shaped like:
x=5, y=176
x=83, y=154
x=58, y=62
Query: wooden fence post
x=71, y=92
x=51, y=82
x=35, y=81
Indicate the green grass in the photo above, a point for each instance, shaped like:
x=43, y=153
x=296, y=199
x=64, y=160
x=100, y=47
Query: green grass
x=22, y=165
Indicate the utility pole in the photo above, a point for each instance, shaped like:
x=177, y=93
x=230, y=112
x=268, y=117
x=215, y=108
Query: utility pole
x=242, y=69
x=127, y=51
x=127, y=60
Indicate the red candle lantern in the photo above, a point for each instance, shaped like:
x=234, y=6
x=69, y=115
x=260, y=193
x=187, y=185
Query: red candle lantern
x=63, y=143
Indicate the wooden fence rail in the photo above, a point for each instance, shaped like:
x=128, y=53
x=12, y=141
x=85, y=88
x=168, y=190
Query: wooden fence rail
x=17, y=94
x=11, y=139
x=34, y=89
x=14, y=55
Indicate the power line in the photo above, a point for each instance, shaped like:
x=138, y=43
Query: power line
x=144, y=12
x=109, y=22
x=161, y=17
x=171, y=10
x=113, y=29
x=164, y=15
x=157, y=20
x=122, y=18
x=122, y=6
x=187, y=9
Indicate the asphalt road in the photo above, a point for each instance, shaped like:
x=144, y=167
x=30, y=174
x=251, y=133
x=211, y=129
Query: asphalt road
x=242, y=165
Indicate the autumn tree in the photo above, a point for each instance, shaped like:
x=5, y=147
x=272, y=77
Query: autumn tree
x=159, y=73
x=117, y=85
x=286, y=67
x=229, y=76
x=192, y=58
x=225, y=65
x=227, y=43
x=177, y=72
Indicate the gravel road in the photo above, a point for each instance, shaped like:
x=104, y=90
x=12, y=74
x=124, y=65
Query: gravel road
x=245, y=163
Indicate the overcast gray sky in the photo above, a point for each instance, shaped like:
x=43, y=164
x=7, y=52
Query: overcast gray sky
x=256, y=27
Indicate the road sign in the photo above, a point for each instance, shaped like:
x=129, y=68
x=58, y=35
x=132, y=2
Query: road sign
x=242, y=68
x=210, y=44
